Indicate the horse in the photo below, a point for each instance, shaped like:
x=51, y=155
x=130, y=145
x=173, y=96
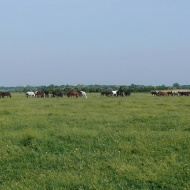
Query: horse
x=46, y=92
x=83, y=94
x=175, y=93
x=3, y=94
x=114, y=92
x=57, y=93
x=32, y=94
x=106, y=93
x=127, y=93
x=155, y=93
x=120, y=93
x=39, y=94
x=103, y=93
x=74, y=93
x=164, y=93
x=184, y=93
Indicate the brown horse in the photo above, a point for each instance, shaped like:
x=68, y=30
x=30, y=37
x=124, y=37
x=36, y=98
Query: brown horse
x=39, y=94
x=74, y=94
x=164, y=93
x=3, y=94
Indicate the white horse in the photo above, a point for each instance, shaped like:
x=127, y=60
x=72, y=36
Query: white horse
x=83, y=94
x=30, y=94
x=114, y=93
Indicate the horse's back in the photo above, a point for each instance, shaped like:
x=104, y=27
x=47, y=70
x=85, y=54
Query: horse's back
x=3, y=94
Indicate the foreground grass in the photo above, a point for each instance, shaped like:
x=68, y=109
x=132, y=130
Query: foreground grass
x=136, y=142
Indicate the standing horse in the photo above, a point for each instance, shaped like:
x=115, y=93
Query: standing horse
x=39, y=94
x=127, y=93
x=57, y=93
x=114, y=93
x=184, y=93
x=164, y=93
x=106, y=93
x=83, y=94
x=103, y=93
x=74, y=93
x=32, y=94
x=155, y=93
x=120, y=93
x=3, y=94
x=46, y=92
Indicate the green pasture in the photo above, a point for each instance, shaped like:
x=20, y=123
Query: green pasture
x=98, y=143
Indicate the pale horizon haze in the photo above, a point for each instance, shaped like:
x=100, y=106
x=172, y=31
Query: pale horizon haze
x=108, y=42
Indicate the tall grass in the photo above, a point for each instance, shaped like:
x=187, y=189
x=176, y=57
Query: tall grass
x=136, y=142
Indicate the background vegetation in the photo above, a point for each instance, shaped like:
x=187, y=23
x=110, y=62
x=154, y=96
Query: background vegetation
x=136, y=142
x=94, y=88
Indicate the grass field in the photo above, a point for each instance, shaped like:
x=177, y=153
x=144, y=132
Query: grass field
x=136, y=142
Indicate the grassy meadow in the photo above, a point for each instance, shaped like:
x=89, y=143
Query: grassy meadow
x=98, y=143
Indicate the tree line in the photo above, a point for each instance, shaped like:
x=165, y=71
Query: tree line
x=93, y=88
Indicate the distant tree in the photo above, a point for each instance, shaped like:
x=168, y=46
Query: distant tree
x=19, y=89
x=162, y=87
x=68, y=88
x=123, y=88
x=176, y=85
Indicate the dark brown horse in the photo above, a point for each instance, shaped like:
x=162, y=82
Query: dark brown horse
x=184, y=93
x=127, y=93
x=106, y=93
x=3, y=94
x=57, y=93
x=120, y=93
x=74, y=94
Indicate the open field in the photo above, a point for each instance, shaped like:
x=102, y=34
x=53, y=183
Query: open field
x=136, y=142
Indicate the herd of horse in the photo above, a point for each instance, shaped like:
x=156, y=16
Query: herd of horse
x=116, y=93
x=56, y=93
x=59, y=93
x=170, y=93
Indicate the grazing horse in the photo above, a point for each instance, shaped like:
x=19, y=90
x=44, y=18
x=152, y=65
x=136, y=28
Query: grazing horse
x=127, y=93
x=32, y=94
x=3, y=94
x=103, y=93
x=120, y=93
x=164, y=93
x=184, y=93
x=74, y=93
x=106, y=93
x=175, y=93
x=39, y=94
x=155, y=93
x=114, y=93
x=46, y=92
x=57, y=93
x=83, y=94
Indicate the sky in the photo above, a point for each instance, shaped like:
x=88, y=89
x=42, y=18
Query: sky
x=107, y=42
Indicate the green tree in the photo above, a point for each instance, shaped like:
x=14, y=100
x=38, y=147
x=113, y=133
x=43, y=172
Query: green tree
x=176, y=85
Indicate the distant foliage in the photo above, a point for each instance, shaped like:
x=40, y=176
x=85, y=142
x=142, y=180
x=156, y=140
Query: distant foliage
x=94, y=88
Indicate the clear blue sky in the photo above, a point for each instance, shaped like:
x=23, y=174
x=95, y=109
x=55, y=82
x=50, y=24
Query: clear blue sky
x=118, y=42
